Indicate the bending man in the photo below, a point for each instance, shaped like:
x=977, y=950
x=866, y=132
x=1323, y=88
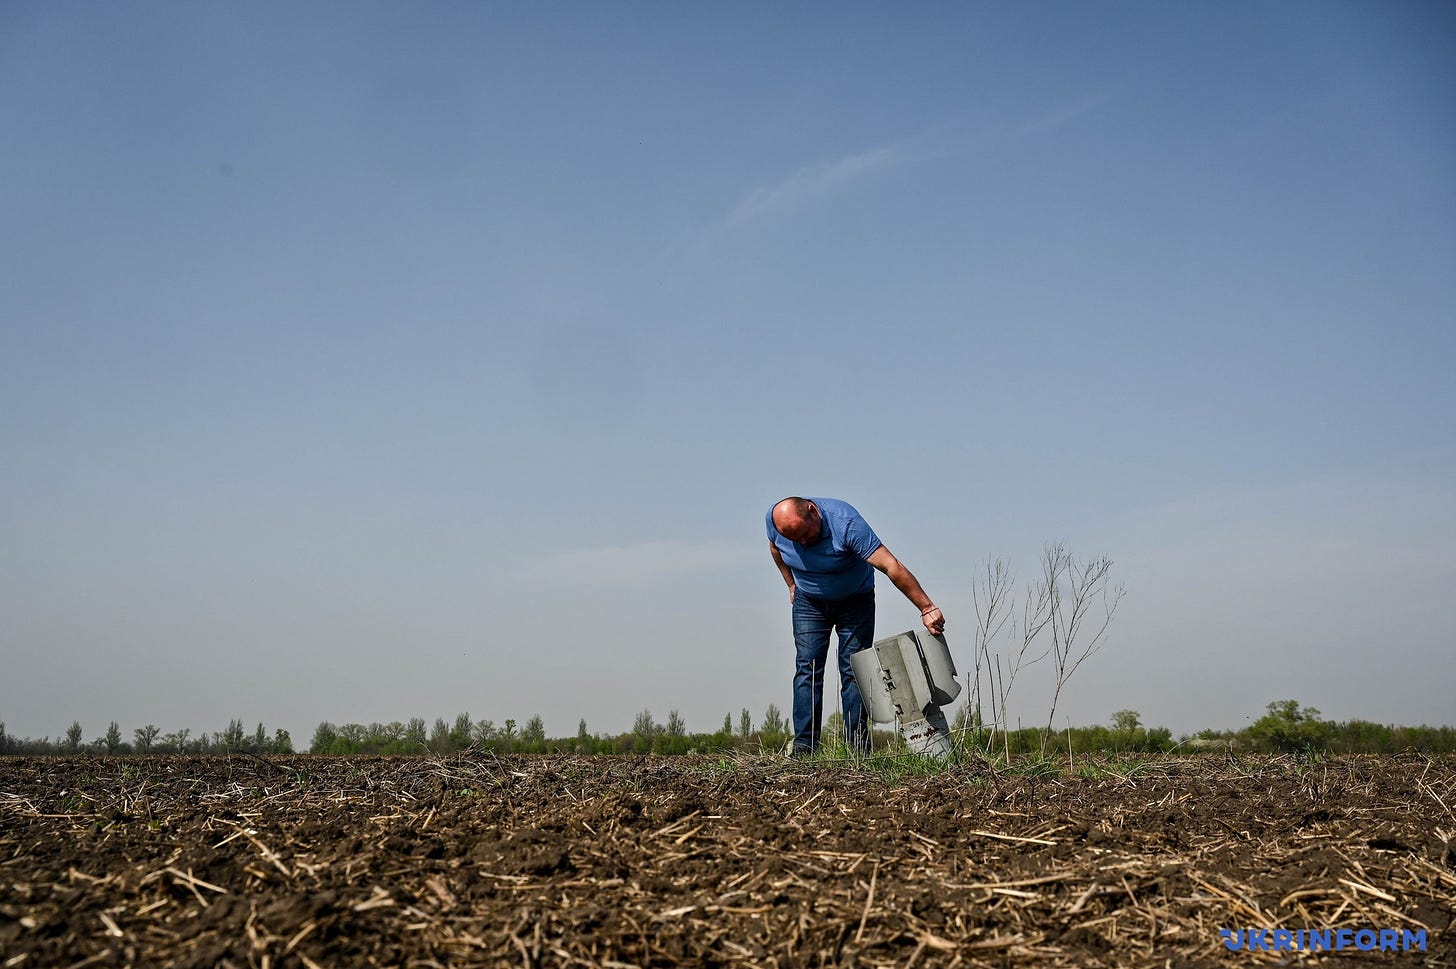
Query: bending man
x=826, y=553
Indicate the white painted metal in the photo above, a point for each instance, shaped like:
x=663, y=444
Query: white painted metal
x=906, y=679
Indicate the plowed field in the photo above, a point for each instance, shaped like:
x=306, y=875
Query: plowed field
x=558, y=861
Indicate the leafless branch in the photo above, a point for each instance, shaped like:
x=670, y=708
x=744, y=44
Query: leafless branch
x=1073, y=588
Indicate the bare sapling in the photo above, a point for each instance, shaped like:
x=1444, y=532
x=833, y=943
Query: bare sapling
x=1035, y=615
x=1072, y=589
x=991, y=591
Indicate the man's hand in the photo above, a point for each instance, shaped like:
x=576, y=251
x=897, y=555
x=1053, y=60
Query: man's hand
x=934, y=620
x=791, y=593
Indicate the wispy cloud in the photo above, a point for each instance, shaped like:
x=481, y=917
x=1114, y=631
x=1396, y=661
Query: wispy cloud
x=803, y=187
x=813, y=182
x=1067, y=112
x=642, y=562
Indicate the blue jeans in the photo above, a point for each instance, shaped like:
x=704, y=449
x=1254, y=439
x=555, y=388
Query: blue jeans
x=854, y=616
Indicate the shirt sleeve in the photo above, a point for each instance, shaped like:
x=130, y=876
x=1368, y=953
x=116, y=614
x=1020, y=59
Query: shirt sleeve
x=860, y=538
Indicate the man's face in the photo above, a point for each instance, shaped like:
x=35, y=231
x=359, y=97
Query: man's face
x=804, y=531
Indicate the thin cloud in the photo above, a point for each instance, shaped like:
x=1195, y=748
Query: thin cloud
x=1064, y=114
x=813, y=182
x=805, y=186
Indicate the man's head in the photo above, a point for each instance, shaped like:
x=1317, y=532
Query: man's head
x=798, y=520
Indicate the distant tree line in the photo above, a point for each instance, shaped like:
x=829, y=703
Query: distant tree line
x=1286, y=727
x=149, y=739
x=647, y=736
x=1125, y=734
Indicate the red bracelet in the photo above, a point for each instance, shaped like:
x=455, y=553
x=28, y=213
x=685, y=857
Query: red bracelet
x=930, y=609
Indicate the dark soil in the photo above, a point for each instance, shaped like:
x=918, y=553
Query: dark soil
x=329, y=862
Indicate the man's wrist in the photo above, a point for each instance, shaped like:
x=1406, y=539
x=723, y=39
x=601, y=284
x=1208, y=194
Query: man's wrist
x=930, y=608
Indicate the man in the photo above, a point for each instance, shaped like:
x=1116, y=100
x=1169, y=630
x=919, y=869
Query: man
x=826, y=553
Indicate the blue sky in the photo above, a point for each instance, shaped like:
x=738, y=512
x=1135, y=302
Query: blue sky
x=360, y=362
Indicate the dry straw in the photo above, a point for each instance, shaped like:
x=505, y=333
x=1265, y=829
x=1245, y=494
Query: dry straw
x=562, y=861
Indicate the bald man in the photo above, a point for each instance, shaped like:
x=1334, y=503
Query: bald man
x=827, y=554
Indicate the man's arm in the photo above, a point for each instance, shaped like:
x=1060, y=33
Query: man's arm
x=930, y=614
x=783, y=568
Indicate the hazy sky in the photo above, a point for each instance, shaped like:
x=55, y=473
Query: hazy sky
x=368, y=361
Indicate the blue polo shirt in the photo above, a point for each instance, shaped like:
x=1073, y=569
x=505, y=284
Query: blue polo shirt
x=834, y=566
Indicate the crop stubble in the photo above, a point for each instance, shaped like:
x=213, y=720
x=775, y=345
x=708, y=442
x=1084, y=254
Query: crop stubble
x=605, y=861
